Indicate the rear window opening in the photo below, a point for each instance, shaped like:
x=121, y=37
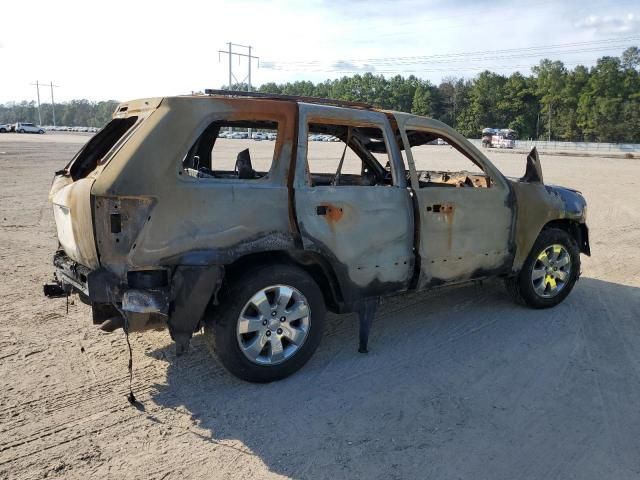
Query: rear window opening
x=228, y=150
x=95, y=150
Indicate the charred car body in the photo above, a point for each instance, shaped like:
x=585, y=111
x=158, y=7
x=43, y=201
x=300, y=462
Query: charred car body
x=154, y=230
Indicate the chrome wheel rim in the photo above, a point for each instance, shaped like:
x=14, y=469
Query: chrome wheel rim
x=273, y=325
x=551, y=271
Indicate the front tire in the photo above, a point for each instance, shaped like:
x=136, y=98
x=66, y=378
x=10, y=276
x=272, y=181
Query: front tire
x=549, y=273
x=268, y=323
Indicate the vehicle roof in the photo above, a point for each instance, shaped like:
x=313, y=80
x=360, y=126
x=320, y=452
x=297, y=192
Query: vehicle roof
x=134, y=106
x=291, y=98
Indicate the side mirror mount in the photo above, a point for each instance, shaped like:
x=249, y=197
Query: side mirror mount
x=533, y=173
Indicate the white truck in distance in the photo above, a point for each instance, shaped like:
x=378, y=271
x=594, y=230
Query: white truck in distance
x=498, y=138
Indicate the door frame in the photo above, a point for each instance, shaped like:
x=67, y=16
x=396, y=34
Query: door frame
x=396, y=274
x=503, y=261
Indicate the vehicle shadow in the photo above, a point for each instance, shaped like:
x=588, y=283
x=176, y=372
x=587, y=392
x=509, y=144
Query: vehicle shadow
x=459, y=383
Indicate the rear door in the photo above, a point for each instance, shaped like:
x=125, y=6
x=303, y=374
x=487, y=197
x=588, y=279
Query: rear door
x=362, y=225
x=466, y=211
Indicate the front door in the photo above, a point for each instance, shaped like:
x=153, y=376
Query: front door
x=465, y=211
x=352, y=204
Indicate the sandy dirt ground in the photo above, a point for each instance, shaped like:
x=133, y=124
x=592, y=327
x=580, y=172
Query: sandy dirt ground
x=459, y=383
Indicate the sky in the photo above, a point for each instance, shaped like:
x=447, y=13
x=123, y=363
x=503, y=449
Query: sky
x=130, y=49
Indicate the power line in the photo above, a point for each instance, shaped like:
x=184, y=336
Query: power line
x=481, y=55
x=486, y=62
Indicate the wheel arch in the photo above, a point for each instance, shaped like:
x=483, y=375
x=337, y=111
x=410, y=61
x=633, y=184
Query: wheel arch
x=577, y=230
x=311, y=262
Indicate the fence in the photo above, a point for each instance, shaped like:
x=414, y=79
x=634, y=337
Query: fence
x=572, y=146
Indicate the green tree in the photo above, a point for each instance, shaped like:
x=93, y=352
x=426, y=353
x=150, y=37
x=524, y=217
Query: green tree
x=550, y=78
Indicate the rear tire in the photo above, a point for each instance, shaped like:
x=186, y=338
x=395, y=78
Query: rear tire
x=254, y=339
x=550, y=271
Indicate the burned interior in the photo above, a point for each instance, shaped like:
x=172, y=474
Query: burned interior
x=448, y=178
x=203, y=161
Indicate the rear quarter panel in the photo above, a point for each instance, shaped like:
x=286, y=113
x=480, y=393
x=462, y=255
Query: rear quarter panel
x=200, y=221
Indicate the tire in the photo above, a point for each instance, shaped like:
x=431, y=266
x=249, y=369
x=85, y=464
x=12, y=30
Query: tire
x=529, y=288
x=2, y=130
x=222, y=323
x=40, y=132
x=21, y=131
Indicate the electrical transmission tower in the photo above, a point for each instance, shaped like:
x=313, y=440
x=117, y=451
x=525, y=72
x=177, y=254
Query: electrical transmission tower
x=248, y=56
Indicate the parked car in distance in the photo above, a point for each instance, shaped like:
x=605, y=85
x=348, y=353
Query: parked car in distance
x=259, y=136
x=256, y=248
x=22, y=127
x=5, y=128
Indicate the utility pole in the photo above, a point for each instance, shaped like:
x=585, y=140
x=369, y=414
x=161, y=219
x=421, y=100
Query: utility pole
x=230, y=65
x=53, y=103
x=549, y=121
x=249, y=74
x=249, y=57
x=37, y=84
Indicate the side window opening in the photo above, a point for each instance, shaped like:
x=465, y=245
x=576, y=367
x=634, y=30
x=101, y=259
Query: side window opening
x=241, y=150
x=442, y=163
x=341, y=155
x=95, y=150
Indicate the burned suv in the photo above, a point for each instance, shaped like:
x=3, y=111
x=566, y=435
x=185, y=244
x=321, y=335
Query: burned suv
x=170, y=218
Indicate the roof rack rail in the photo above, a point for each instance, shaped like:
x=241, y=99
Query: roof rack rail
x=294, y=98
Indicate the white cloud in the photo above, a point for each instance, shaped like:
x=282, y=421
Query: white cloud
x=347, y=66
x=610, y=24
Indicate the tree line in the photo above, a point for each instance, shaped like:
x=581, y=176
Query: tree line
x=601, y=103
x=76, y=113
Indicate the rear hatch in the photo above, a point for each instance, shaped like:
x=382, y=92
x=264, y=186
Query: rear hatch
x=71, y=189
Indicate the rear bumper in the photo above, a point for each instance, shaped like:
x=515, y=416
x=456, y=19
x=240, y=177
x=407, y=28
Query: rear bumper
x=101, y=288
x=175, y=297
x=69, y=275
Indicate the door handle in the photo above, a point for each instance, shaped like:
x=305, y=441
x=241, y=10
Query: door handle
x=321, y=210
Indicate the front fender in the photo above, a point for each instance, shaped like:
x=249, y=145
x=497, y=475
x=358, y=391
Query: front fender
x=538, y=205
